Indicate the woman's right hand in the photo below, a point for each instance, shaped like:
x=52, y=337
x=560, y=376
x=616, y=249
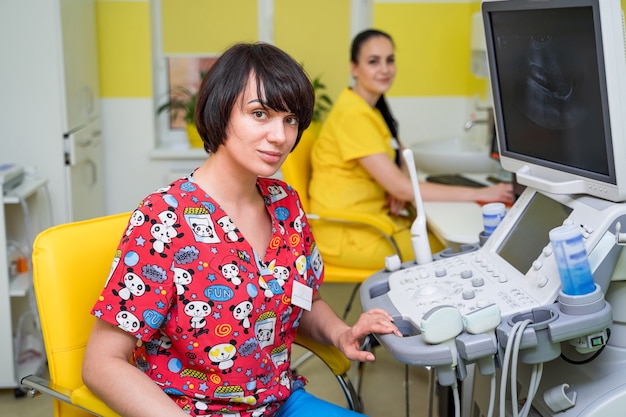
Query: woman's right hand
x=502, y=192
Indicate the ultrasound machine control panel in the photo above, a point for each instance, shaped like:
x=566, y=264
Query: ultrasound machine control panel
x=462, y=307
x=561, y=129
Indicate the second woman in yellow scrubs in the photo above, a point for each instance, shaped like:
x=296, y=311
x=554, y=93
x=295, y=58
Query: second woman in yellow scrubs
x=356, y=165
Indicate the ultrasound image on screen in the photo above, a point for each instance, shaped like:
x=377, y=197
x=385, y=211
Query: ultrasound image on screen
x=550, y=86
x=530, y=234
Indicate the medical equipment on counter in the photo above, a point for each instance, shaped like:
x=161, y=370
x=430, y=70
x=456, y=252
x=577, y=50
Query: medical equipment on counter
x=512, y=278
x=571, y=260
x=561, y=128
x=11, y=175
x=493, y=213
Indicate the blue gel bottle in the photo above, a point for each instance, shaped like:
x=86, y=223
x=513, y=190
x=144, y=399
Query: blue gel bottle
x=493, y=213
x=572, y=261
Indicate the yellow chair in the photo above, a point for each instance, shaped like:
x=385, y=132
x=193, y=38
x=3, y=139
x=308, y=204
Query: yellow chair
x=70, y=264
x=296, y=172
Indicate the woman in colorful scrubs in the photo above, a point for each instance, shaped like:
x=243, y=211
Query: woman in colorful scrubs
x=217, y=271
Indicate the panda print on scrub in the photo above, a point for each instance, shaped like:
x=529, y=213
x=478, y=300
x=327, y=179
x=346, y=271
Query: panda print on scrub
x=242, y=313
x=163, y=230
x=197, y=311
x=132, y=286
x=231, y=233
x=201, y=224
x=231, y=271
x=182, y=278
x=137, y=218
x=223, y=355
x=204, y=306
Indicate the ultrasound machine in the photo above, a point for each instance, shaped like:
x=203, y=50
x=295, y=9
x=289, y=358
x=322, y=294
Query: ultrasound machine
x=493, y=318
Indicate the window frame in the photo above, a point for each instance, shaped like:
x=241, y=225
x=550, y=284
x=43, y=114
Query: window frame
x=167, y=139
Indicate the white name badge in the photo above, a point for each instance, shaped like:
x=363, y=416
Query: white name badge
x=302, y=295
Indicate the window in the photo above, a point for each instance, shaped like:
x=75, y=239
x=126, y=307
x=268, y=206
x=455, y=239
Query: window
x=183, y=80
x=187, y=38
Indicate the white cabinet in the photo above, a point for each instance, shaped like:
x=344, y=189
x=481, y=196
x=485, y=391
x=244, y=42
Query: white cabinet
x=16, y=224
x=49, y=100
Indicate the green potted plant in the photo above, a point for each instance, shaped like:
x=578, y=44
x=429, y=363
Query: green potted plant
x=182, y=101
x=323, y=103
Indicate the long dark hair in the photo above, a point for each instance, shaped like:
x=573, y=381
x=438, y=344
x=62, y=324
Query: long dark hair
x=381, y=104
x=392, y=123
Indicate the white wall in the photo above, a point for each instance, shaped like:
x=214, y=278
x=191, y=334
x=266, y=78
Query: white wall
x=132, y=170
x=422, y=119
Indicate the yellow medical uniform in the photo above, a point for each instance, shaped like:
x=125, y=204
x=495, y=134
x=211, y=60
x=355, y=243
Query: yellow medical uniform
x=352, y=130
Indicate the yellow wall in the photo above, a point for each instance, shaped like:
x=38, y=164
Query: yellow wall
x=432, y=47
x=316, y=34
x=207, y=26
x=124, y=50
x=432, y=40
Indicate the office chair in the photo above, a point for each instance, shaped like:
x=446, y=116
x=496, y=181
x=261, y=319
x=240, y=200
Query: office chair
x=70, y=264
x=296, y=172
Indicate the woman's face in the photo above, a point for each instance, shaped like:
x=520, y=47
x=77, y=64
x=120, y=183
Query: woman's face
x=259, y=139
x=375, y=70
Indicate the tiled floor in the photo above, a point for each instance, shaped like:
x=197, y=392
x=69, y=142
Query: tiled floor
x=384, y=388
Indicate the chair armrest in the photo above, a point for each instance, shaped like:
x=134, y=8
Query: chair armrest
x=40, y=385
x=80, y=397
x=338, y=364
x=380, y=224
x=330, y=355
x=383, y=224
x=83, y=398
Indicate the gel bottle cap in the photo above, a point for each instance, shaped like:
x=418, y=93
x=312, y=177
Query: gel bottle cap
x=571, y=259
x=492, y=216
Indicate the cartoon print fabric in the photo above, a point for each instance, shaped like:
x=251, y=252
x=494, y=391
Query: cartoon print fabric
x=214, y=319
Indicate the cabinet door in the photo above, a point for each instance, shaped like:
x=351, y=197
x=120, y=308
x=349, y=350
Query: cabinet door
x=84, y=169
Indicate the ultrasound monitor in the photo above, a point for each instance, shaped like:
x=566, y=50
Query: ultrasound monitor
x=531, y=230
x=558, y=75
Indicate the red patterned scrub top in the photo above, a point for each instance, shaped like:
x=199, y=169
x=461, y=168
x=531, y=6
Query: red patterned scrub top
x=215, y=322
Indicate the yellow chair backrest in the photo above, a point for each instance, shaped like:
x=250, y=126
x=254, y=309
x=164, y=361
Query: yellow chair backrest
x=70, y=265
x=297, y=172
x=297, y=168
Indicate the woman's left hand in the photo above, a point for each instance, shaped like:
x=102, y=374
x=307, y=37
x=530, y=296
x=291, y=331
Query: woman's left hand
x=395, y=205
x=372, y=321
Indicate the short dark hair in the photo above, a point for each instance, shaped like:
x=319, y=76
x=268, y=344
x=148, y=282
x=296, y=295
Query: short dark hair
x=357, y=42
x=281, y=81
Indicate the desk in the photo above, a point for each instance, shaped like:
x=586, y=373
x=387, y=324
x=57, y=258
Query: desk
x=454, y=223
